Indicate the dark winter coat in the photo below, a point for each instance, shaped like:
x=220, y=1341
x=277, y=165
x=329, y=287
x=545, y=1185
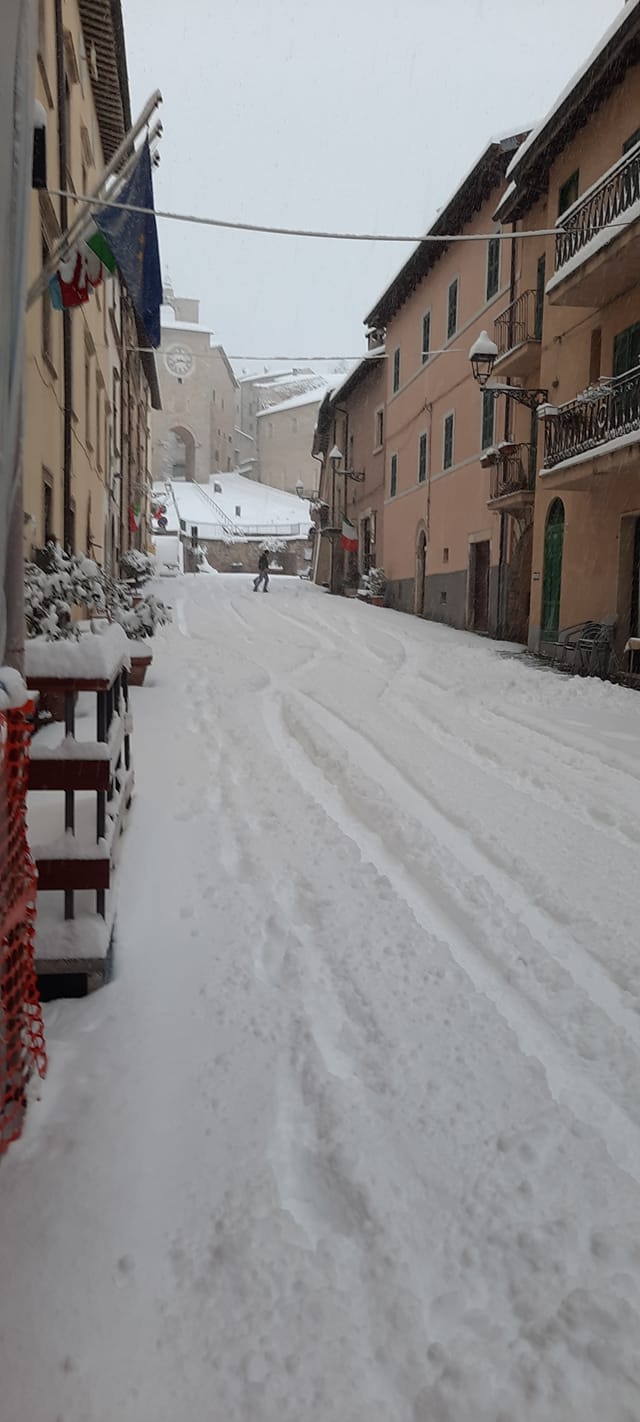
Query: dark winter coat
x=263, y=562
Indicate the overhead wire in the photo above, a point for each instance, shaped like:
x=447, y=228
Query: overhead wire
x=319, y=234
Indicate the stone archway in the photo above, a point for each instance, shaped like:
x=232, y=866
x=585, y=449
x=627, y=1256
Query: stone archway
x=421, y=570
x=181, y=454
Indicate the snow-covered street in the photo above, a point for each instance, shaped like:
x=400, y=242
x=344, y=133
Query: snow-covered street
x=354, y=1135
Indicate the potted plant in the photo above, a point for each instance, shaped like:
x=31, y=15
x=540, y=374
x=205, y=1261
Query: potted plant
x=372, y=586
x=55, y=589
x=140, y=619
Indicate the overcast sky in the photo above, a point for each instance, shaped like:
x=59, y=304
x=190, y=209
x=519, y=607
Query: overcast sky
x=337, y=114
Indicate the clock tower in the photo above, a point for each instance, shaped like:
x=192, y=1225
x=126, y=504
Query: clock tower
x=195, y=434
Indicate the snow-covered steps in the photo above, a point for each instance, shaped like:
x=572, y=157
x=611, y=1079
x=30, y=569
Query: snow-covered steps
x=75, y=834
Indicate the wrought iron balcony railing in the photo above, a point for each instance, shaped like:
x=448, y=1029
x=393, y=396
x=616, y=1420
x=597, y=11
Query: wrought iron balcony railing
x=607, y=202
x=522, y=321
x=602, y=413
x=514, y=472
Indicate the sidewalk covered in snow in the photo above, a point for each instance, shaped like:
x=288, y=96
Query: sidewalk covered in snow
x=354, y=1134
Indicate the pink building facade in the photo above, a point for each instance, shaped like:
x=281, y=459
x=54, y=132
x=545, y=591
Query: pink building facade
x=448, y=554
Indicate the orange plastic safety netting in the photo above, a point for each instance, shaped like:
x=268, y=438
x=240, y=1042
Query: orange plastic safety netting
x=22, y=1046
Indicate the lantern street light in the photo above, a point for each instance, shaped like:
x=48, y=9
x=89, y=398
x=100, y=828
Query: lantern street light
x=483, y=356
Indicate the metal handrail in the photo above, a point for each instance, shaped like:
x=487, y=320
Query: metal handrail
x=518, y=323
x=514, y=473
x=593, y=418
x=603, y=204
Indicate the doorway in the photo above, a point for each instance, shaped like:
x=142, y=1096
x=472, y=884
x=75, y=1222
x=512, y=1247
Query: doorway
x=421, y=572
x=479, y=564
x=552, y=571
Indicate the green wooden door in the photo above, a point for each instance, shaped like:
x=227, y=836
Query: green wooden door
x=552, y=573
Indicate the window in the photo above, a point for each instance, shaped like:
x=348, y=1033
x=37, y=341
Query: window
x=46, y=310
x=213, y=396
x=238, y=510
x=426, y=336
x=452, y=309
x=626, y=350
x=98, y=427
x=422, y=459
x=540, y=284
x=47, y=508
x=87, y=400
x=396, y=370
x=568, y=192
x=493, y=266
x=631, y=141
x=393, y=481
x=595, y=354
x=42, y=29
x=445, y=555
x=379, y=436
x=488, y=419
x=116, y=411
x=447, y=443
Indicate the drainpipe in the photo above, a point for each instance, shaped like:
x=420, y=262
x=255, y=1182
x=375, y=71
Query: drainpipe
x=507, y=428
x=67, y=370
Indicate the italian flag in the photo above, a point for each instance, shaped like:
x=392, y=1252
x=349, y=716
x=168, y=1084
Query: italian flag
x=349, y=536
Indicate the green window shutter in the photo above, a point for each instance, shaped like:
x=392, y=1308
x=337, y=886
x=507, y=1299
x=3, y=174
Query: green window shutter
x=396, y=370
x=426, y=336
x=447, y=458
x=452, y=309
x=422, y=459
x=488, y=419
x=493, y=266
x=393, y=483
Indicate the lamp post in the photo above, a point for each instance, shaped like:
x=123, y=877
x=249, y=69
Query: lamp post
x=483, y=356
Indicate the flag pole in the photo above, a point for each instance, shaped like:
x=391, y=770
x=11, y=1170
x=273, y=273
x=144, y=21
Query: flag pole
x=42, y=280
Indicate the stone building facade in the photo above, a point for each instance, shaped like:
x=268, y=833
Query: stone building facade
x=198, y=431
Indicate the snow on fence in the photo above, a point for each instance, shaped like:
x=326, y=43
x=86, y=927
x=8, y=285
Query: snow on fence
x=22, y=1046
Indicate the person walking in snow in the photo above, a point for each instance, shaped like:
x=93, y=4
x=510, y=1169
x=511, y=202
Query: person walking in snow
x=263, y=572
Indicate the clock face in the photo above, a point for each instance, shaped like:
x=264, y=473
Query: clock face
x=179, y=360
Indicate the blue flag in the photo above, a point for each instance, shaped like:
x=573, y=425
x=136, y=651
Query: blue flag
x=133, y=239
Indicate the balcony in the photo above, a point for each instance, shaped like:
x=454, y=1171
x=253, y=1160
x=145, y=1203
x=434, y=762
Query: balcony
x=593, y=434
x=517, y=333
x=513, y=478
x=597, y=240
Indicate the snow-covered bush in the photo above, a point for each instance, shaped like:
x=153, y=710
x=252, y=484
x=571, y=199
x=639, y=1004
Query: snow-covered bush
x=55, y=586
x=136, y=567
x=273, y=545
x=373, y=583
x=143, y=619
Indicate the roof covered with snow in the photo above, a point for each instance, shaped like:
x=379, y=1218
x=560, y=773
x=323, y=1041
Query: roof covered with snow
x=208, y=506
x=306, y=397
x=486, y=174
x=603, y=69
x=371, y=360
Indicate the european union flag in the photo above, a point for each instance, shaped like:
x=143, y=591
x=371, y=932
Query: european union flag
x=133, y=239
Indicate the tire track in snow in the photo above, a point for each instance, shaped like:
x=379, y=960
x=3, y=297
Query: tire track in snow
x=520, y=780
x=437, y=913
x=586, y=973
x=581, y=748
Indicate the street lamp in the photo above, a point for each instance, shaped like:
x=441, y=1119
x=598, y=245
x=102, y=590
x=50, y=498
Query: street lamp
x=483, y=356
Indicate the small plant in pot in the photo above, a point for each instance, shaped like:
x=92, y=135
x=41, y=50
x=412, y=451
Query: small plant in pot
x=372, y=586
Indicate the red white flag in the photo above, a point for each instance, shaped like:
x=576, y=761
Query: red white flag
x=349, y=536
